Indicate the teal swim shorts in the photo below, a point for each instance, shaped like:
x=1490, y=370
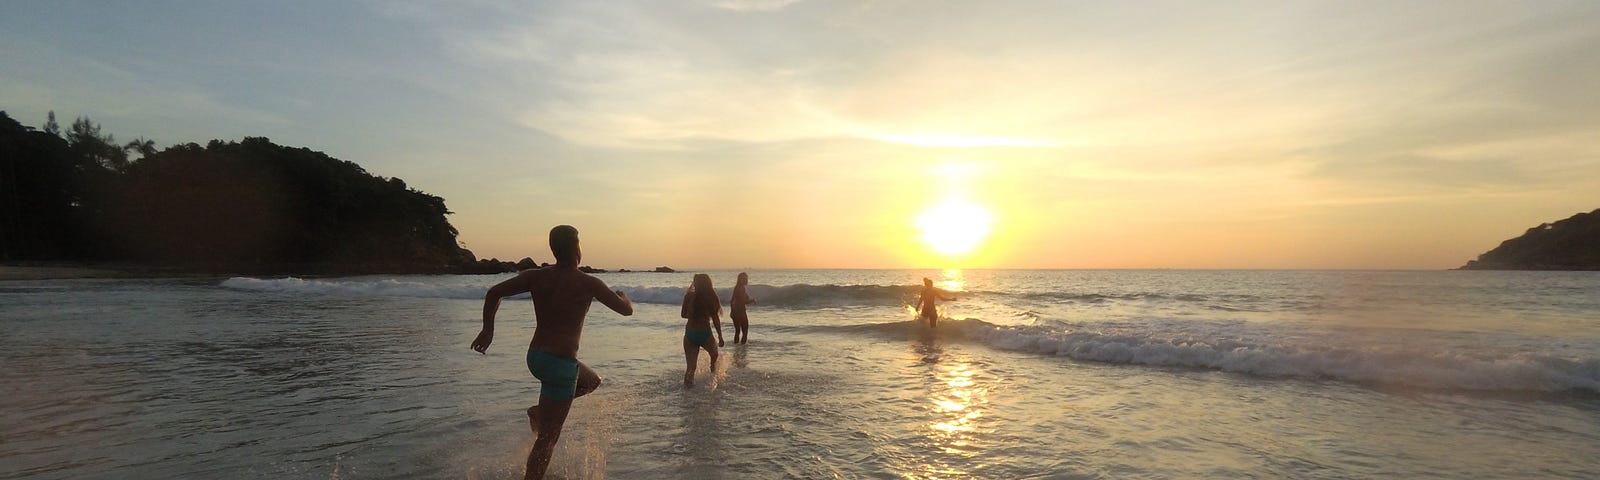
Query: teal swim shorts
x=697, y=337
x=558, y=376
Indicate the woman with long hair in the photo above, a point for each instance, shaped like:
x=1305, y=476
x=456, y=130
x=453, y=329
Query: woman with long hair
x=702, y=308
x=736, y=311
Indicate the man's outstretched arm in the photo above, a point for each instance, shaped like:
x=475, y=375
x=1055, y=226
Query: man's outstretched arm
x=491, y=305
x=613, y=299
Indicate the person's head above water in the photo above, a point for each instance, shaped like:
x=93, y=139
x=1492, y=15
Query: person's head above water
x=564, y=245
x=705, y=296
x=744, y=278
x=702, y=283
x=927, y=282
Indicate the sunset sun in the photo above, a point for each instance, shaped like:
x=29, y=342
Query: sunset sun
x=954, y=226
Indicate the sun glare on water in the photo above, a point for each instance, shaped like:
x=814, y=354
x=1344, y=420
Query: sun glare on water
x=954, y=226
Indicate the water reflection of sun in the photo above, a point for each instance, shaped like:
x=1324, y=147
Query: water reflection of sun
x=952, y=281
x=959, y=403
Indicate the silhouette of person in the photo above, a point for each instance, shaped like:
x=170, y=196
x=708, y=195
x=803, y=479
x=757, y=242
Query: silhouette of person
x=702, y=308
x=561, y=298
x=736, y=304
x=926, y=304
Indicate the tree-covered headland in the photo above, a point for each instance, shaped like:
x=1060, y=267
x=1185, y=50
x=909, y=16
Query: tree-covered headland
x=246, y=206
x=1569, y=244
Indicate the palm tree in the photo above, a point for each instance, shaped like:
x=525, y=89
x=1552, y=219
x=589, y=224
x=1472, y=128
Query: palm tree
x=143, y=146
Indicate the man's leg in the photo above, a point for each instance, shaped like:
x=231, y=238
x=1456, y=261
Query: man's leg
x=588, y=380
x=552, y=414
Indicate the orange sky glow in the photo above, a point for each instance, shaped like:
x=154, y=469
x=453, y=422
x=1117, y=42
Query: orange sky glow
x=812, y=134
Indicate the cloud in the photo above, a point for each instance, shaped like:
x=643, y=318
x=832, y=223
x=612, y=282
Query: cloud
x=754, y=5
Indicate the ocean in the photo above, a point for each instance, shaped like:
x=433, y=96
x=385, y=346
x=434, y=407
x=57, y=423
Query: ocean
x=1031, y=374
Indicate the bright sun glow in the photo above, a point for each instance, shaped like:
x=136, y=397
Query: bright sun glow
x=954, y=227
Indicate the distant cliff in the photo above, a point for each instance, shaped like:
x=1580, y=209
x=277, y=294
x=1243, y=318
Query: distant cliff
x=248, y=206
x=1571, y=244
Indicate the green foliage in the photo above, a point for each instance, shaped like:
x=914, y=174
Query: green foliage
x=44, y=194
x=250, y=205
x=50, y=125
x=85, y=140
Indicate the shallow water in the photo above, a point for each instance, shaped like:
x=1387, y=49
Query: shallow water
x=1033, y=374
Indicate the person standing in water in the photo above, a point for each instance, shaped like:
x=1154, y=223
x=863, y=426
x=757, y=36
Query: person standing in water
x=561, y=298
x=736, y=304
x=926, y=305
x=702, y=308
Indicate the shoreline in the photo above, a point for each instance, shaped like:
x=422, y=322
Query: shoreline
x=68, y=270
x=111, y=270
x=16, y=272
x=93, y=270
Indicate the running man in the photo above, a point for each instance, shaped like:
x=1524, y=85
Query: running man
x=925, y=305
x=561, y=297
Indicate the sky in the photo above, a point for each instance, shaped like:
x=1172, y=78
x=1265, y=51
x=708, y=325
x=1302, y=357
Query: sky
x=881, y=134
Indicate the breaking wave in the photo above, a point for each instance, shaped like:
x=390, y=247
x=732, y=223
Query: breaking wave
x=1281, y=355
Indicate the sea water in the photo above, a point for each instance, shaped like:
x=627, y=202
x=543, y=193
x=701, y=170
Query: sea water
x=1029, y=374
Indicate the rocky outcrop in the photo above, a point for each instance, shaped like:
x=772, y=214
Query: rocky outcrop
x=1570, y=244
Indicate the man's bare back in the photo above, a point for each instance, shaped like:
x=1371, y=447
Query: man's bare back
x=561, y=298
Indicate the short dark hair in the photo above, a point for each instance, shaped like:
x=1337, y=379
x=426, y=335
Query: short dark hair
x=564, y=243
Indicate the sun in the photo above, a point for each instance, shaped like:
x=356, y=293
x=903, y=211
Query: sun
x=954, y=226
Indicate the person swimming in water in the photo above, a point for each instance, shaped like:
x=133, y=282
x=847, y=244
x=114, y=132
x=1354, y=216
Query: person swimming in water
x=561, y=297
x=736, y=304
x=926, y=305
x=702, y=308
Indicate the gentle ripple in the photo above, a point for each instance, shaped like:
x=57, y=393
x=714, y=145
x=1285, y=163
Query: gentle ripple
x=186, y=379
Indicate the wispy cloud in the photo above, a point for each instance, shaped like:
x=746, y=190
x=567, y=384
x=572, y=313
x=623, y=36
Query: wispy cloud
x=1299, y=116
x=754, y=5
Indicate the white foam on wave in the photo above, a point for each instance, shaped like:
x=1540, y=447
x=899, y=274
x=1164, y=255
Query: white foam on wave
x=389, y=287
x=354, y=287
x=661, y=295
x=1474, y=370
x=788, y=296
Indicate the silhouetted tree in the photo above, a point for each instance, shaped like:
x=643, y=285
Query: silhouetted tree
x=86, y=141
x=51, y=127
x=257, y=203
x=247, y=205
x=143, y=146
x=43, y=194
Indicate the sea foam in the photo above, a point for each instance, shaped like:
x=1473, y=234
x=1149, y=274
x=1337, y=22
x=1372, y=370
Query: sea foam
x=1387, y=365
x=385, y=287
x=788, y=296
